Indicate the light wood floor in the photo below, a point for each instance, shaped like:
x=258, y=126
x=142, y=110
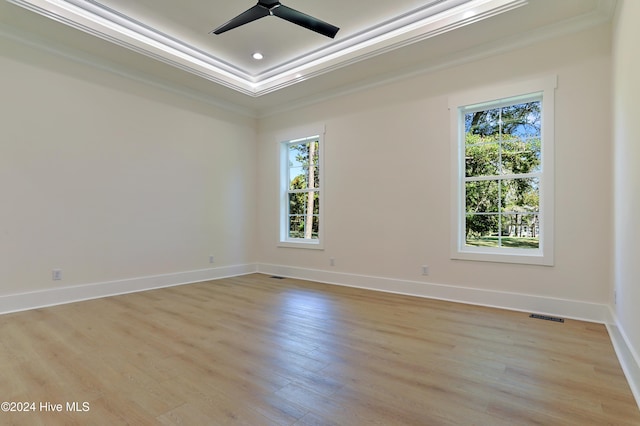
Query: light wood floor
x=255, y=350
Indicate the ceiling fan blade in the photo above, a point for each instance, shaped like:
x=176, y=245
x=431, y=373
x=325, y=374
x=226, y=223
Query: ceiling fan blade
x=305, y=20
x=256, y=12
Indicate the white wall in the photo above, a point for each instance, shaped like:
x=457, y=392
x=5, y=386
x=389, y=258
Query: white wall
x=626, y=93
x=111, y=179
x=387, y=189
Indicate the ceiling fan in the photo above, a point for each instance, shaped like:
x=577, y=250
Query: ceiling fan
x=275, y=8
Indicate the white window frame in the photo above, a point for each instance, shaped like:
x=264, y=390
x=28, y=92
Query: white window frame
x=458, y=105
x=285, y=140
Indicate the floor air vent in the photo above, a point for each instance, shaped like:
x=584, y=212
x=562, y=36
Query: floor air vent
x=275, y=277
x=546, y=318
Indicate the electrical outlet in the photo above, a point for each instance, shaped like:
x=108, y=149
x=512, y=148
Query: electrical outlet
x=211, y=259
x=332, y=261
x=425, y=270
x=56, y=274
x=615, y=297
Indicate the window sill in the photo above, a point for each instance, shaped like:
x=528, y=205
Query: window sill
x=302, y=244
x=504, y=257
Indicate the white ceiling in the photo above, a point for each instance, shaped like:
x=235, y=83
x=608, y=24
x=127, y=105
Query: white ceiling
x=169, y=42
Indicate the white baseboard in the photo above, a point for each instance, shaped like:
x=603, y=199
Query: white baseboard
x=629, y=359
x=62, y=295
x=585, y=311
x=498, y=299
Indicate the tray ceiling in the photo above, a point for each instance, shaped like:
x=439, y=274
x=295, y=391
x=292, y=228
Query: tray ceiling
x=169, y=43
x=179, y=33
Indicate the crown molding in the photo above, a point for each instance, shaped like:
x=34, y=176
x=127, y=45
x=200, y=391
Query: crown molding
x=603, y=13
x=600, y=15
x=434, y=19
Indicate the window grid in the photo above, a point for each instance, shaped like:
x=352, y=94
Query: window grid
x=515, y=222
x=502, y=176
x=304, y=224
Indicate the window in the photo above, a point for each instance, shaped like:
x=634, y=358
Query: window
x=503, y=173
x=301, y=192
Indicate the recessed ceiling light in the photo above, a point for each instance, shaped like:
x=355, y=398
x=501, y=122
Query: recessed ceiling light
x=257, y=56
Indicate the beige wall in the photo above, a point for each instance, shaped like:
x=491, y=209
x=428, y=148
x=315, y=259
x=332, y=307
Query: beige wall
x=108, y=179
x=626, y=94
x=111, y=179
x=387, y=172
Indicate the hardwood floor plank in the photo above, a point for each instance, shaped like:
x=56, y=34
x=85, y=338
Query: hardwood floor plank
x=258, y=351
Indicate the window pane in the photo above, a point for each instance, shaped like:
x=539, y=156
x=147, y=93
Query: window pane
x=522, y=120
x=315, y=226
x=298, y=154
x=482, y=158
x=482, y=230
x=482, y=122
x=316, y=203
x=482, y=196
x=297, y=203
x=304, y=226
x=520, y=155
x=298, y=178
x=296, y=226
x=521, y=231
x=520, y=195
x=313, y=177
